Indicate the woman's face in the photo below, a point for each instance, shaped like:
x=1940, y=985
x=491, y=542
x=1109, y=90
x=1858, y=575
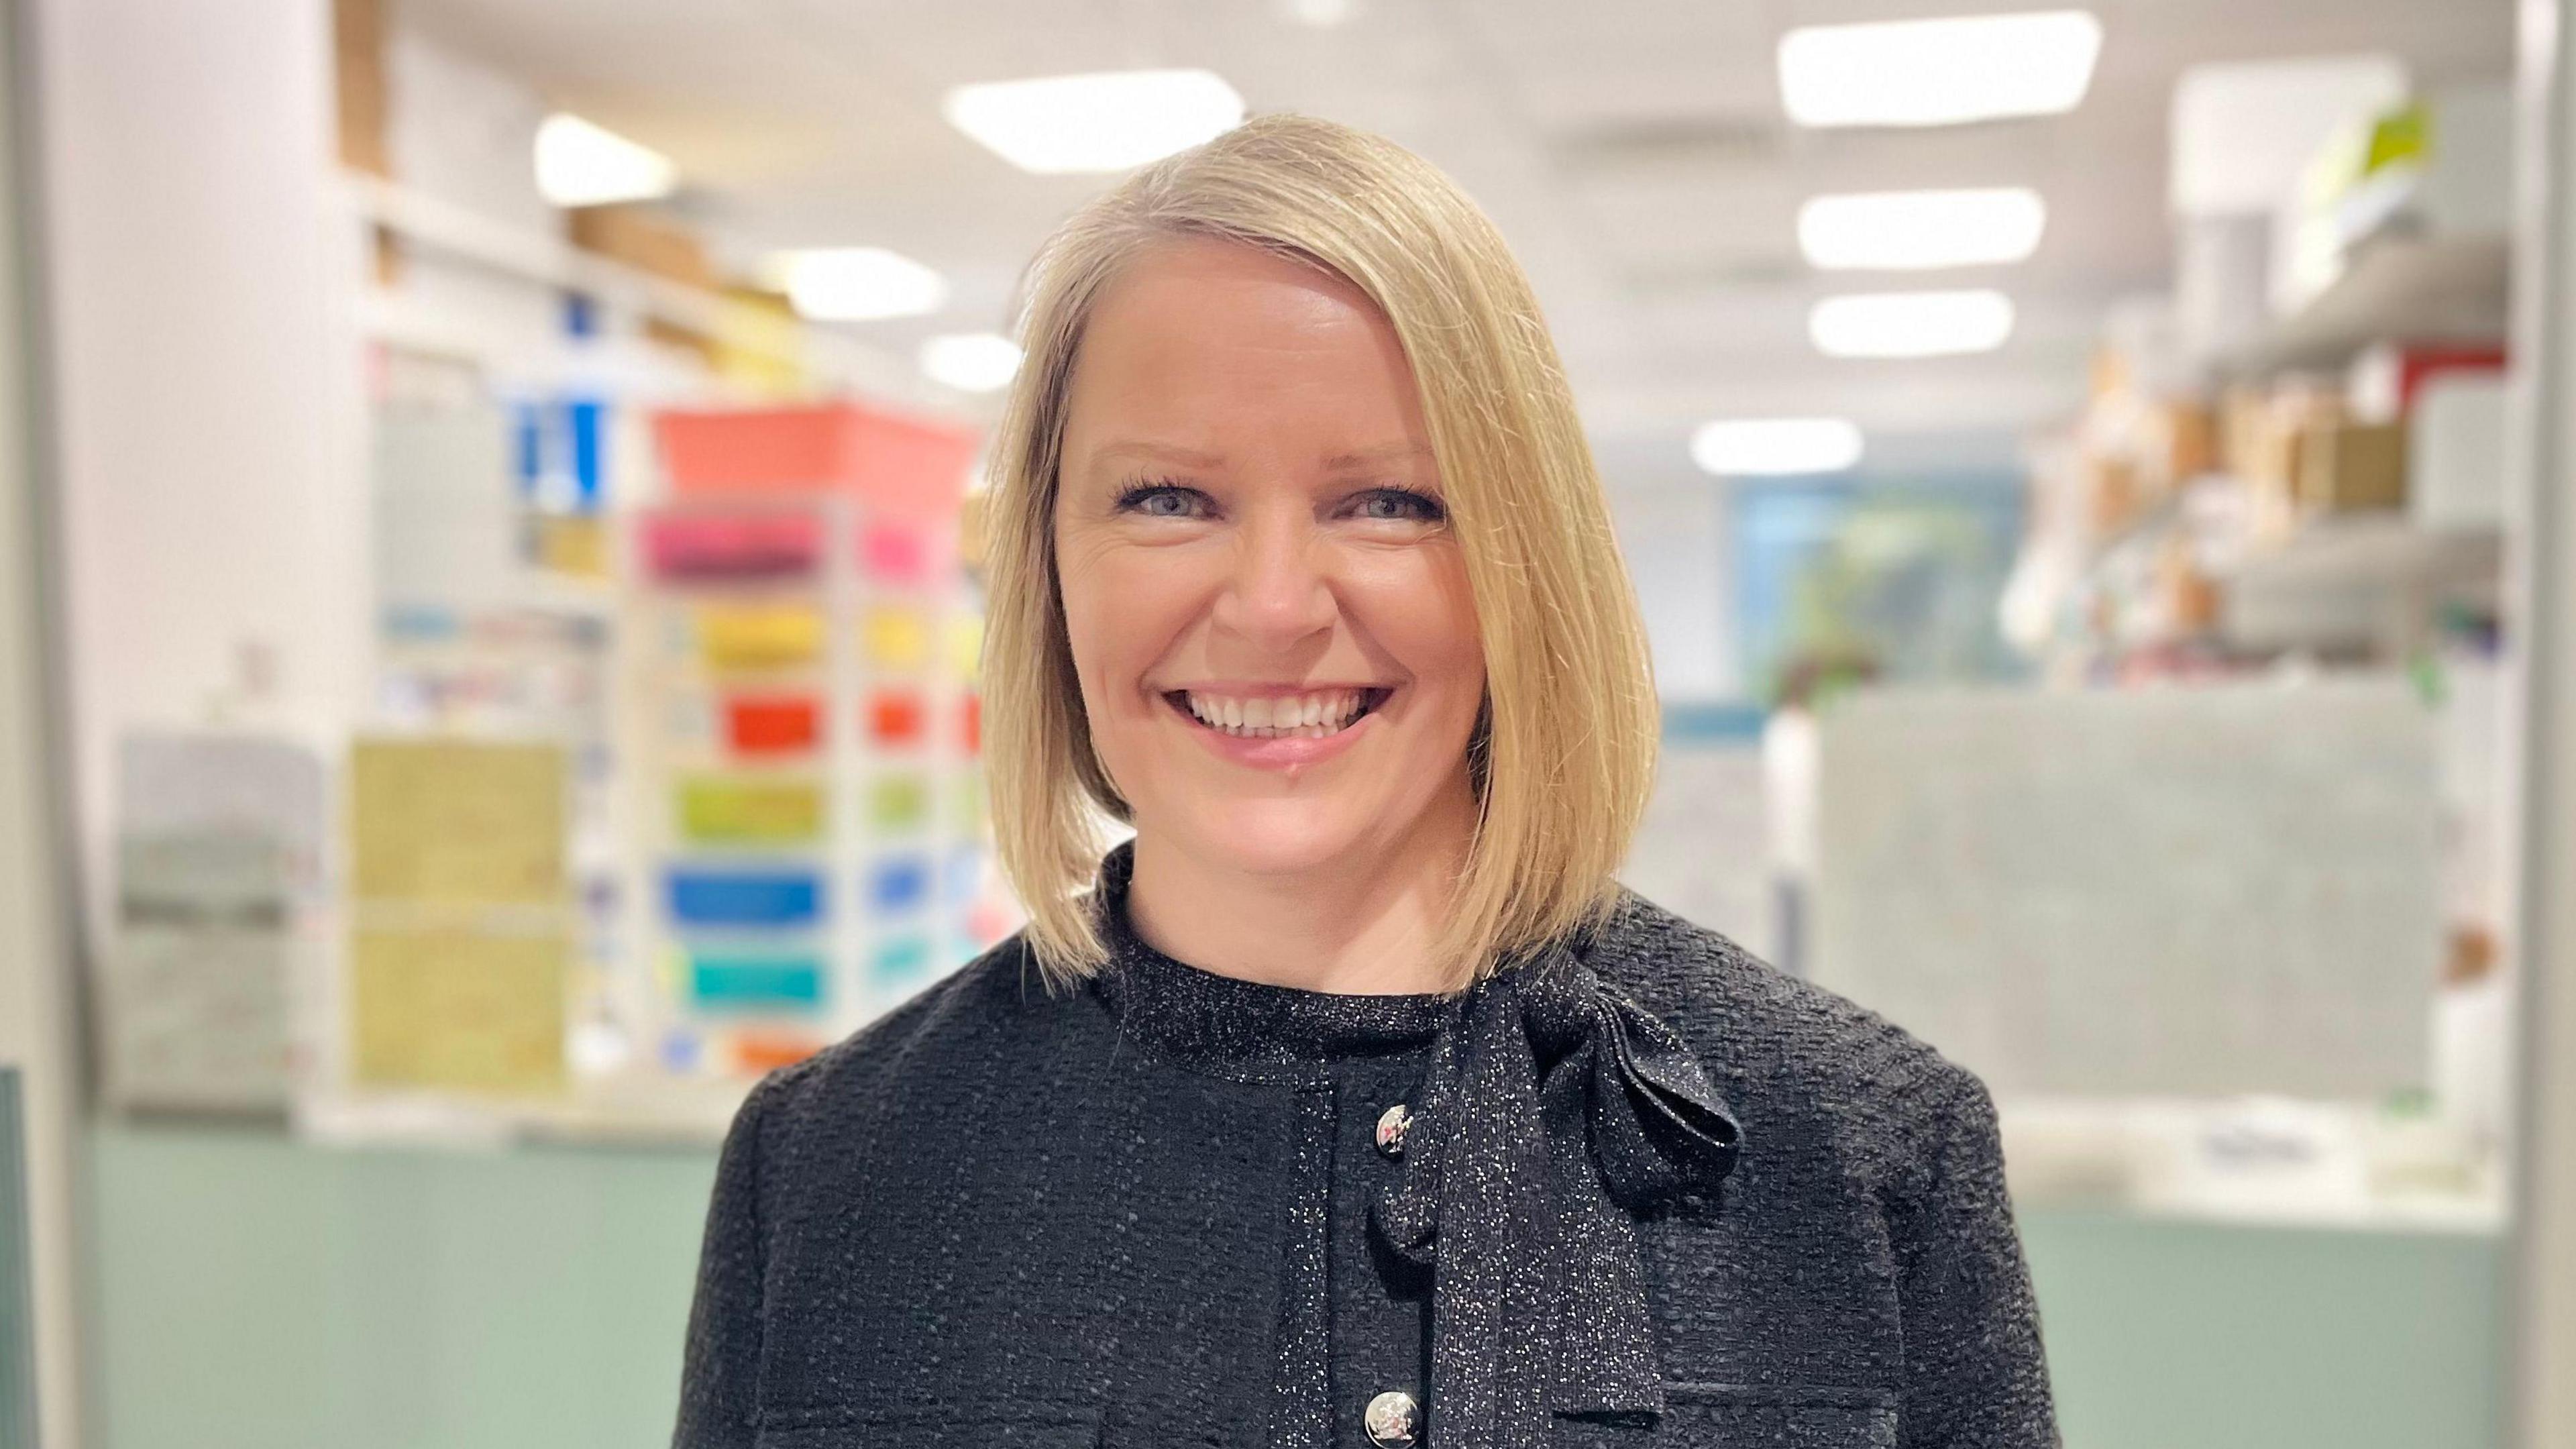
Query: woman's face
x=1269, y=614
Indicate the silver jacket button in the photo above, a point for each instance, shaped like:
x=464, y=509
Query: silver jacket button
x=1393, y=1419
x=1390, y=1129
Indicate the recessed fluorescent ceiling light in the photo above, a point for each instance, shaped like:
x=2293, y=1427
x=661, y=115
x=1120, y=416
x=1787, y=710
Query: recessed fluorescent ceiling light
x=1911, y=324
x=1919, y=230
x=579, y=164
x=1108, y=122
x=971, y=361
x=1772, y=446
x=858, y=284
x=1939, y=72
x=1322, y=14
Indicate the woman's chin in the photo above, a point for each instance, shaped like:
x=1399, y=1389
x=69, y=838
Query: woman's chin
x=1276, y=839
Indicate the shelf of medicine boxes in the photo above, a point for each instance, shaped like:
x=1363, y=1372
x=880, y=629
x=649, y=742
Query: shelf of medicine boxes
x=2399, y=284
x=2362, y=578
x=445, y=229
x=2370, y=583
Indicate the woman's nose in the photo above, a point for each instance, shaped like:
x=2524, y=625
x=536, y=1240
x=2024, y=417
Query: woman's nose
x=1278, y=592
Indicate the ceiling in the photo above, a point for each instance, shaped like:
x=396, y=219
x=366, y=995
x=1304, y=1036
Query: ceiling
x=1633, y=151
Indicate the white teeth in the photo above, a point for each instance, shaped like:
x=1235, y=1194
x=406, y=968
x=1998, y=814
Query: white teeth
x=1304, y=716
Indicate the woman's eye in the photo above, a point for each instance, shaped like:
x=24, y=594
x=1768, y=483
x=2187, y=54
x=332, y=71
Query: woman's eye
x=1400, y=505
x=1159, y=500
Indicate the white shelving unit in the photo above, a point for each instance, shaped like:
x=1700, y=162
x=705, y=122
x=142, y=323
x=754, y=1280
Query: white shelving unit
x=446, y=230
x=488, y=297
x=2372, y=550
x=2398, y=287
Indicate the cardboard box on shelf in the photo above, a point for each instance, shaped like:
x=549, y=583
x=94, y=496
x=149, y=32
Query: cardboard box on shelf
x=642, y=238
x=358, y=76
x=2263, y=455
x=2185, y=596
x=700, y=347
x=2347, y=467
x=2182, y=442
x=2244, y=429
x=2270, y=434
x=2112, y=493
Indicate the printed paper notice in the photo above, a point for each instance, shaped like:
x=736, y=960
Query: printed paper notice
x=459, y=1010
x=457, y=822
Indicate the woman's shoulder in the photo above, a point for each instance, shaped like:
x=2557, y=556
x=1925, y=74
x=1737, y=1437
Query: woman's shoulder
x=1789, y=1054
x=982, y=1012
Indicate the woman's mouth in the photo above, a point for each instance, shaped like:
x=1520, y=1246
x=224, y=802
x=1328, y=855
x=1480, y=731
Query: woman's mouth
x=1318, y=714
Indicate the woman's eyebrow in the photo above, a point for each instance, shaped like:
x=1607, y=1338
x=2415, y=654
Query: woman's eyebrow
x=1151, y=452
x=1156, y=453
x=1386, y=453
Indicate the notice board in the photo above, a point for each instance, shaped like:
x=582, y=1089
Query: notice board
x=2187, y=891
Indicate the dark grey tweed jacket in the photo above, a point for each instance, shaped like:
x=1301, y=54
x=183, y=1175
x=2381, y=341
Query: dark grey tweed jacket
x=1156, y=1212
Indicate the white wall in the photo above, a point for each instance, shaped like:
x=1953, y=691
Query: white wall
x=1675, y=540
x=1673, y=525
x=213, y=507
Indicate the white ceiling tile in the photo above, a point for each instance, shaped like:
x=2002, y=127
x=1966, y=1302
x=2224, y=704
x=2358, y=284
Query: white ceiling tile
x=1632, y=150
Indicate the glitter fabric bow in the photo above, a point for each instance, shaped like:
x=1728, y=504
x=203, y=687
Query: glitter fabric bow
x=1556, y=1112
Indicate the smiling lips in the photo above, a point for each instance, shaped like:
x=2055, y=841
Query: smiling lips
x=1315, y=715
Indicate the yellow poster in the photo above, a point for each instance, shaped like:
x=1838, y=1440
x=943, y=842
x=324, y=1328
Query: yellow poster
x=458, y=1009
x=457, y=822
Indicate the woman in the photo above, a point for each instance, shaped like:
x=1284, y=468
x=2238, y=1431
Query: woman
x=1351, y=1103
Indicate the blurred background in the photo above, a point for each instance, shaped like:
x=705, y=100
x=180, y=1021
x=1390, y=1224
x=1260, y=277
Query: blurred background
x=488, y=647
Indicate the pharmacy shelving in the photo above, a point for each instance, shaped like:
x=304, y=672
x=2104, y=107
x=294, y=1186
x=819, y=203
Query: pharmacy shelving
x=458, y=234
x=2417, y=288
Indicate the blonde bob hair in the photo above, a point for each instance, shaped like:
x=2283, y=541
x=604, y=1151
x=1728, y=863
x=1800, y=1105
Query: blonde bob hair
x=1564, y=748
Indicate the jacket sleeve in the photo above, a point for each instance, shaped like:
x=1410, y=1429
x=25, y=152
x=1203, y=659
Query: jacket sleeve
x=1975, y=1374
x=721, y=1362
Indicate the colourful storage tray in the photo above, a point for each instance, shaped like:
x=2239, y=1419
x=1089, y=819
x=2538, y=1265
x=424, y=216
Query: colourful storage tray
x=899, y=884
x=750, y=810
x=728, y=982
x=782, y=724
x=775, y=898
x=899, y=964
x=899, y=803
x=699, y=547
x=759, y=636
x=896, y=717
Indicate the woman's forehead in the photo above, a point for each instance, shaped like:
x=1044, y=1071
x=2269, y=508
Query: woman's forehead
x=1199, y=352
x=1199, y=304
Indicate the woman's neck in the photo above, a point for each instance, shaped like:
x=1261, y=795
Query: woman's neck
x=1364, y=924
